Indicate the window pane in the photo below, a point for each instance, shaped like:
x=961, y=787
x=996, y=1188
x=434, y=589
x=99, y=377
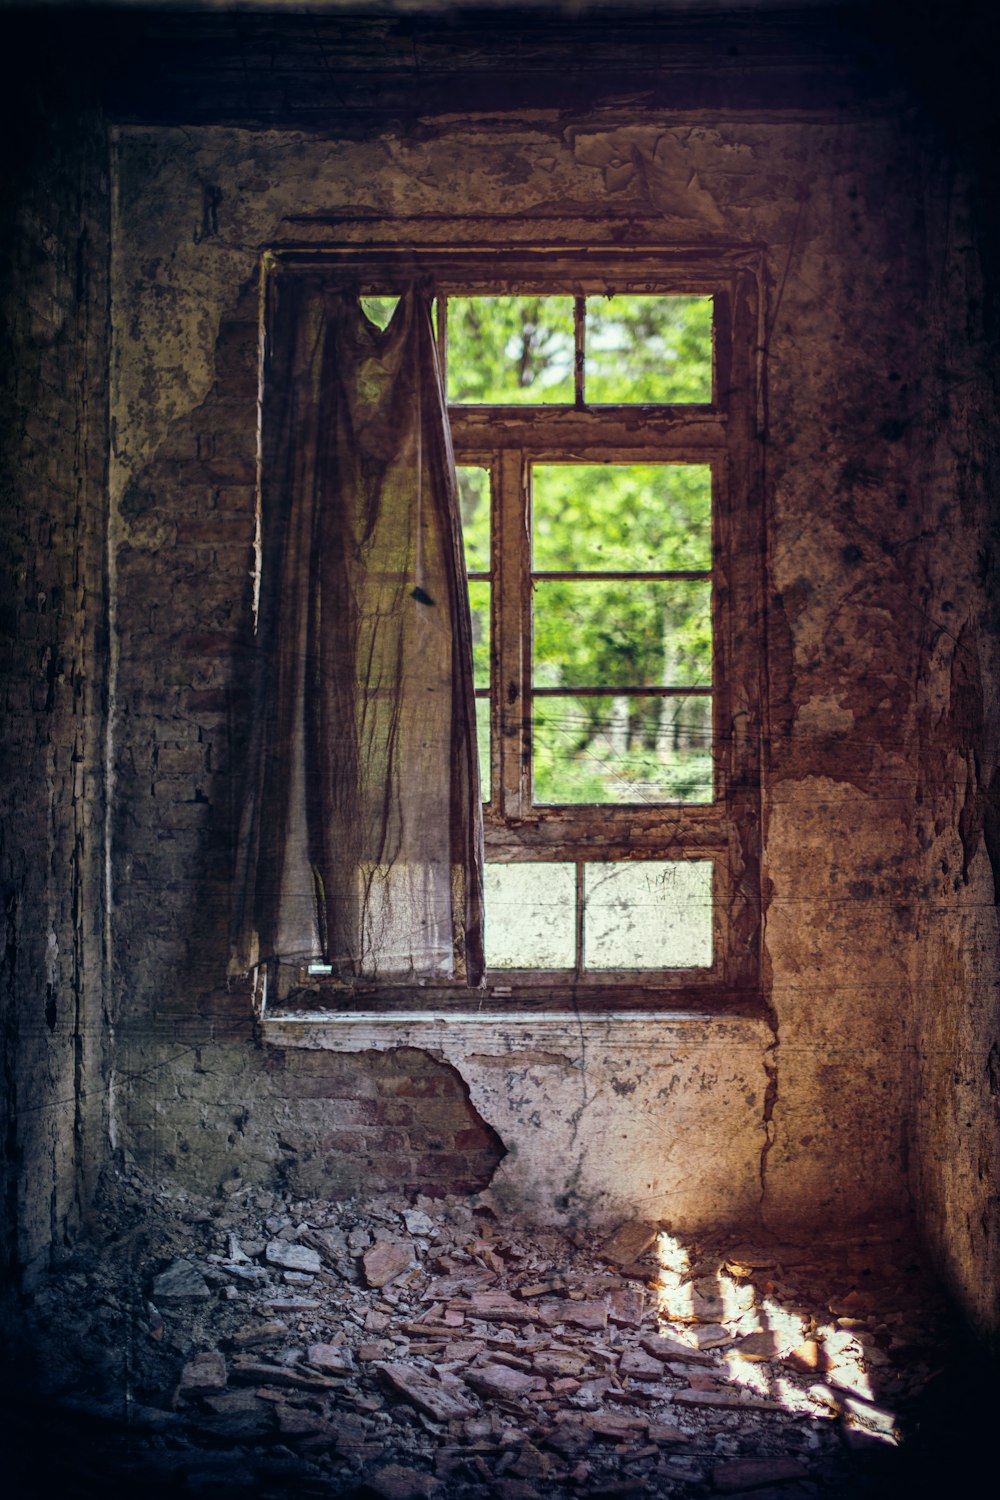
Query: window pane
x=510, y=350
x=483, y=746
x=479, y=605
x=530, y=916
x=642, y=348
x=622, y=749
x=629, y=633
x=653, y=915
x=379, y=310
x=474, y=501
x=621, y=517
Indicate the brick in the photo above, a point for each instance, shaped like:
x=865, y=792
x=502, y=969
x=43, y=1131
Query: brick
x=476, y=1138
x=410, y=1088
x=391, y=1112
x=383, y=1142
x=442, y=1167
x=318, y=1087
x=430, y=1140
x=235, y=499
x=353, y=1143
x=180, y=760
x=324, y=1064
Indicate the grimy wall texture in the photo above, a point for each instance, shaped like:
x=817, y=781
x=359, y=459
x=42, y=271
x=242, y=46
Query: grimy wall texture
x=869, y=1086
x=54, y=336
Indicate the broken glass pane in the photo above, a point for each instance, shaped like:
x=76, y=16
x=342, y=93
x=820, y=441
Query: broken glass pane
x=474, y=503
x=632, y=518
x=510, y=350
x=627, y=633
x=656, y=914
x=622, y=749
x=379, y=310
x=530, y=916
x=641, y=348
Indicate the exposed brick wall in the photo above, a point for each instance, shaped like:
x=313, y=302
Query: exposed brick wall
x=206, y=1105
x=184, y=559
x=53, y=639
x=395, y=1121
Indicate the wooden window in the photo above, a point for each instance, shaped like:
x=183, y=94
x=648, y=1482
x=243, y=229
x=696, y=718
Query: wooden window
x=603, y=409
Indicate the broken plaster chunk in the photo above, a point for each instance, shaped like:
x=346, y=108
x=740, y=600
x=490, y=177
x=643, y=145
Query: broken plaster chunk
x=751, y=1473
x=499, y=1307
x=385, y=1261
x=664, y=1432
x=496, y=1380
x=332, y=1359
x=331, y=1243
x=808, y=1357
x=375, y=1349
x=292, y=1257
x=625, y=1306
x=629, y=1242
x=589, y=1315
x=180, y=1282
x=417, y=1222
x=665, y=1349
x=204, y=1375
x=639, y=1366
x=294, y=1422
x=757, y=1346
x=436, y=1401
x=611, y=1425
x=723, y=1399
x=397, y=1482
x=866, y=1417
x=567, y=1362
x=258, y=1333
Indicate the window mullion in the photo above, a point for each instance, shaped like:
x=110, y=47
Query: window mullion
x=513, y=633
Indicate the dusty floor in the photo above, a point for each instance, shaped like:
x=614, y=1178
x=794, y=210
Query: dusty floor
x=266, y=1347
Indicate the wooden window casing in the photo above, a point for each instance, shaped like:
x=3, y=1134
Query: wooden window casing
x=722, y=434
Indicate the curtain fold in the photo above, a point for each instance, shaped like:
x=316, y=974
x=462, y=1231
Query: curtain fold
x=360, y=844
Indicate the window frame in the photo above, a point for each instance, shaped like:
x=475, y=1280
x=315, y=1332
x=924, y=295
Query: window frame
x=723, y=434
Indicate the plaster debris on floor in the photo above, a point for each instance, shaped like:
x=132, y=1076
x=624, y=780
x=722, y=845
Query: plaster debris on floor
x=273, y=1346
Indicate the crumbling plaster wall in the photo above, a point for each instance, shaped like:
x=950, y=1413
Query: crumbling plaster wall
x=802, y=1118
x=54, y=228
x=955, y=1072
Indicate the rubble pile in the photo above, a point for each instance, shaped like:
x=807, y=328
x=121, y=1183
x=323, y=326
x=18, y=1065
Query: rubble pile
x=271, y=1347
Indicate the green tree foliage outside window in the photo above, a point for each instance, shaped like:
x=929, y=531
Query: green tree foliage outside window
x=634, y=518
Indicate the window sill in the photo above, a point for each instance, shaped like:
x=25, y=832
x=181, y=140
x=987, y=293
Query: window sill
x=522, y=1000
x=471, y=1032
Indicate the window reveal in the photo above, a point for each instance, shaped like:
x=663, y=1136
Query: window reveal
x=603, y=440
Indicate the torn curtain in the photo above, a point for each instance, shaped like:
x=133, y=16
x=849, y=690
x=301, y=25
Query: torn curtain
x=360, y=844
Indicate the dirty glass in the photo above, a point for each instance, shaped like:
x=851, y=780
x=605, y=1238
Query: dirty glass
x=634, y=518
x=648, y=349
x=474, y=504
x=479, y=608
x=629, y=632
x=483, y=744
x=511, y=350
x=530, y=916
x=621, y=748
x=654, y=914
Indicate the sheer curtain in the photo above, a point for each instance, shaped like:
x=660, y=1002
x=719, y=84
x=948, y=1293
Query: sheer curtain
x=360, y=844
